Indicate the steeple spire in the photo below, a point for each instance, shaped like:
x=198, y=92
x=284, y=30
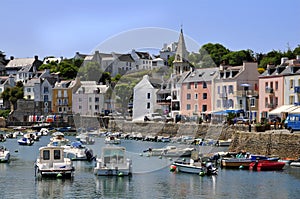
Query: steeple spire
x=180, y=62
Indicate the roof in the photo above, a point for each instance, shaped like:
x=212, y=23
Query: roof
x=20, y=62
x=31, y=82
x=203, y=74
x=283, y=109
x=92, y=87
x=143, y=55
x=126, y=58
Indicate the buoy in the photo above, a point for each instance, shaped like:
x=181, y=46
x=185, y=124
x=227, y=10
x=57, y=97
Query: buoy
x=59, y=175
x=170, y=159
x=120, y=174
x=148, y=155
x=241, y=167
x=173, y=168
x=160, y=157
x=141, y=154
x=16, y=151
x=201, y=173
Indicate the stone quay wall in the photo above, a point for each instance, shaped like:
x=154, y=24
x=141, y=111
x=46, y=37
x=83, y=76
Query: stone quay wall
x=273, y=142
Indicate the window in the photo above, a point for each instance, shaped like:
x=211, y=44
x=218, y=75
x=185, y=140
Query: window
x=79, y=100
x=252, y=102
x=204, y=85
x=196, y=96
x=276, y=85
x=148, y=105
x=96, y=107
x=218, y=89
x=204, y=95
x=59, y=109
x=90, y=99
x=188, y=107
x=276, y=101
x=46, y=155
x=59, y=93
x=189, y=86
x=96, y=99
x=188, y=96
x=148, y=95
x=224, y=89
x=267, y=84
x=28, y=90
x=46, y=98
x=65, y=93
x=204, y=107
x=46, y=89
x=80, y=107
x=291, y=83
x=195, y=108
x=266, y=102
x=90, y=107
x=218, y=103
x=291, y=99
x=230, y=89
x=56, y=154
x=271, y=84
x=196, y=85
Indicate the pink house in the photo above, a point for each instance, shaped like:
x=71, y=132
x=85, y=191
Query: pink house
x=196, y=92
x=271, y=92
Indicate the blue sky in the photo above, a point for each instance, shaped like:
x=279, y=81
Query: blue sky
x=63, y=27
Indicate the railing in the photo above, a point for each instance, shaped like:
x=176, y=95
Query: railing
x=242, y=93
x=297, y=89
x=163, y=101
x=269, y=105
x=269, y=90
x=222, y=95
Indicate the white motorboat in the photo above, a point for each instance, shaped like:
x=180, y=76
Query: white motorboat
x=52, y=163
x=44, y=131
x=85, y=139
x=25, y=141
x=171, y=151
x=4, y=154
x=77, y=151
x=113, y=162
x=32, y=136
x=194, y=167
x=295, y=163
x=112, y=140
x=58, y=139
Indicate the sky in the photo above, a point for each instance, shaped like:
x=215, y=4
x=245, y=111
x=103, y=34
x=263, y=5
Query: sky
x=62, y=28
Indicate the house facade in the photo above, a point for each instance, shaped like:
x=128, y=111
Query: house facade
x=145, y=98
x=236, y=88
x=197, y=92
x=89, y=99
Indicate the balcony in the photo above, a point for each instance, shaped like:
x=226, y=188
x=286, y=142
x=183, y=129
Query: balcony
x=297, y=89
x=269, y=90
x=242, y=93
x=270, y=105
x=222, y=95
x=163, y=101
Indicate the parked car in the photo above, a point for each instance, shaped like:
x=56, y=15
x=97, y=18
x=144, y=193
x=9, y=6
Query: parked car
x=153, y=117
x=292, y=122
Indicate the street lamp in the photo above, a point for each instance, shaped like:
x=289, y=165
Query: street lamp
x=250, y=114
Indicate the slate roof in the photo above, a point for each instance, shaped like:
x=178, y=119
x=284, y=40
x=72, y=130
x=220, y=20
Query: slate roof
x=203, y=74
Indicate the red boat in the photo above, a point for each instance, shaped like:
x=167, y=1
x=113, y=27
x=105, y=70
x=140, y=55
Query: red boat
x=266, y=165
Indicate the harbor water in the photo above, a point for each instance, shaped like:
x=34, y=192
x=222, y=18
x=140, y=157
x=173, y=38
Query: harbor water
x=151, y=178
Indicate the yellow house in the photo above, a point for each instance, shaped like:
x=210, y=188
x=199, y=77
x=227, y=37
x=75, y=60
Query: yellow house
x=62, y=96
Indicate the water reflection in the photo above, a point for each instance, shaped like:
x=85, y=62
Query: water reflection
x=53, y=188
x=114, y=187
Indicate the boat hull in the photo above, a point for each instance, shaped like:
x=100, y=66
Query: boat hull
x=266, y=166
x=112, y=172
x=188, y=168
x=235, y=163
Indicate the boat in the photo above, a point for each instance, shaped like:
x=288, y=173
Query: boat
x=39, y=126
x=194, y=168
x=52, y=163
x=224, y=143
x=44, y=131
x=236, y=162
x=25, y=141
x=77, y=151
x=58, y=139
x=113, y=162
x=171, y=151
x=295, y=163
x=17, y=133
x=112, y=140
x=32, y=136
x=266, y=165
x=4, y=154
x=85, y=139
x=2, y=138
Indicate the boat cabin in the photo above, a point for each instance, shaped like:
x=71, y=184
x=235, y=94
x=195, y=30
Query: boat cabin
x=114, y=155
x=51, y=154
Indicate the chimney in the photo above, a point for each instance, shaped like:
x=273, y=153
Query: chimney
x=36, y=57
x=283, y=60
x=11, y=57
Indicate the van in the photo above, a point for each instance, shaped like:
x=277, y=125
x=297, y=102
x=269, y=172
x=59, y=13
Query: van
x=292, y=122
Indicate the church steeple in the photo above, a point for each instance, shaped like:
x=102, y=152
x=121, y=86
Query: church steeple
x=180, y=62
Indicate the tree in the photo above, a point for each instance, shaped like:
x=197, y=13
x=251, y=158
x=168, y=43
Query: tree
x=216, y=52
x=272, y=57
x=236, y=58
x=124, y=95
x=296, y=51
x=13, y=94
x=3, y=61
x=171, y=60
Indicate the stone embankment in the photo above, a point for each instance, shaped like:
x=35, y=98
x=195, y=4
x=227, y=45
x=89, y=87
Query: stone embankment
x=272, y=142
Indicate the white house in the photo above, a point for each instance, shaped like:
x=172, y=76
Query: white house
x=143, y=60
x=145, y=98
x=89, y=98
